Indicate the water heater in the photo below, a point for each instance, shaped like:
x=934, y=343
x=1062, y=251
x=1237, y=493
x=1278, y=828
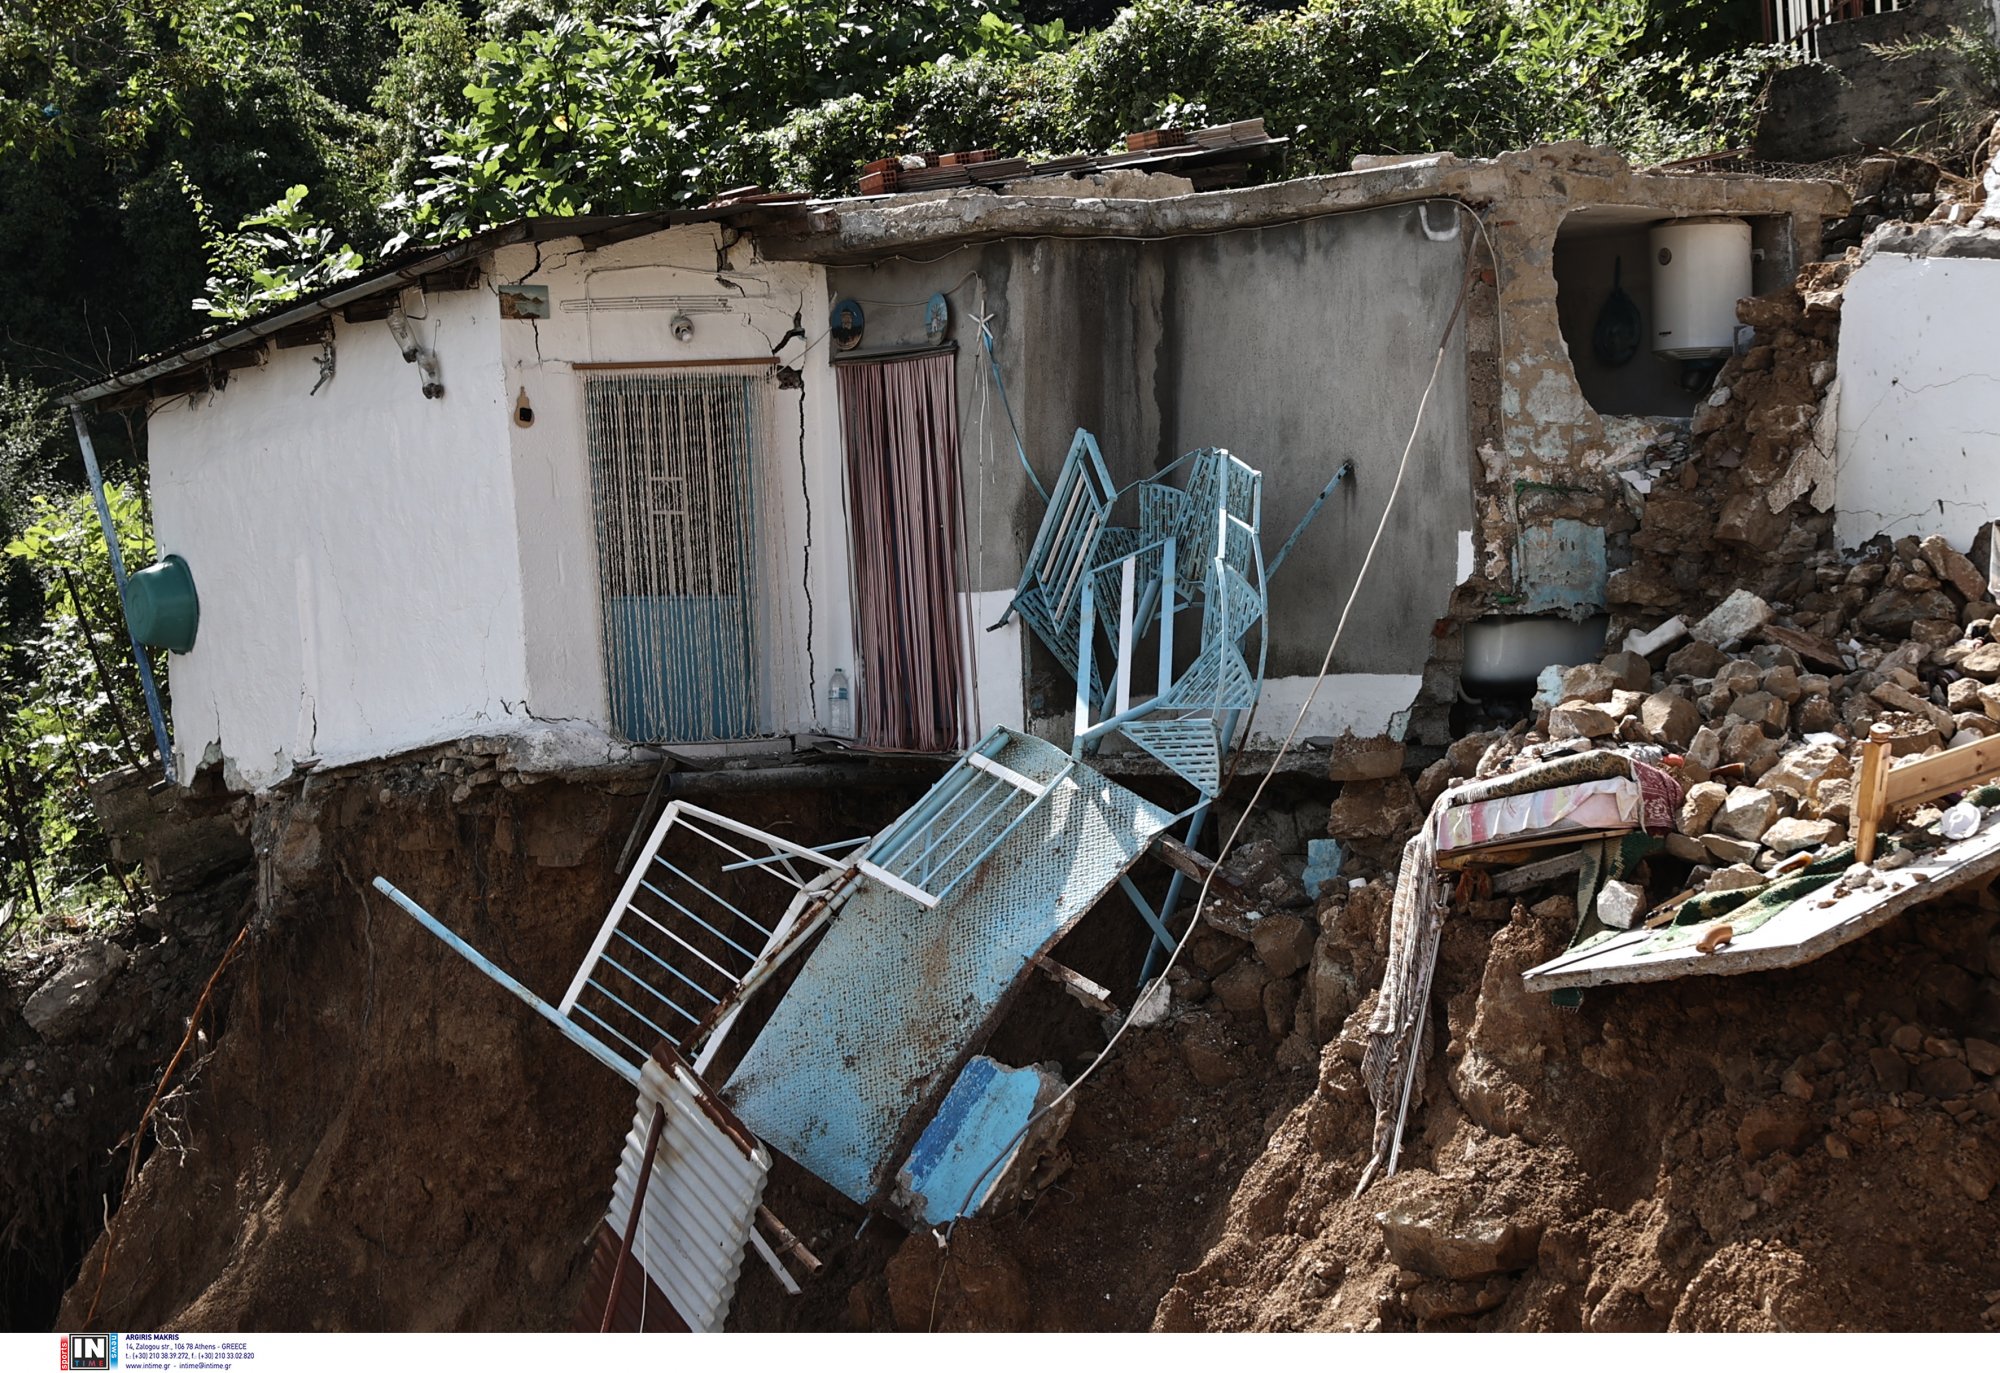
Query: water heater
x=1701, y=268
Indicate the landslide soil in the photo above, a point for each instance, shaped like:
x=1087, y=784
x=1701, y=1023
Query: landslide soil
x=382, y=1139
x=1786, y=1150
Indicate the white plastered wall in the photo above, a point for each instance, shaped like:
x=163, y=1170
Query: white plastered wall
x=806, y=629
x=1918, y=447
x=353, y=551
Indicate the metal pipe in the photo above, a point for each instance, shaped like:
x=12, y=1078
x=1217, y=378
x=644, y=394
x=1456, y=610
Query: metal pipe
x=632, y=1221
x=1346, y=469
x=146, y=683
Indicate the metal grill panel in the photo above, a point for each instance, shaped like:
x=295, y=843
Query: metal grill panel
x=933, y=846
x=1189, y=747
x=896, y=995
x=686, y=934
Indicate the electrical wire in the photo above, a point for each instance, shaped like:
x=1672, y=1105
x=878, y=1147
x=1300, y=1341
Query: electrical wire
x=1325, y=668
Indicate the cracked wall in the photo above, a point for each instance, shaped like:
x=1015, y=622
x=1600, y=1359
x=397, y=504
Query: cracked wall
x=614, y=306
x=309, y=520
x=1919, y=429
x=1546, y=454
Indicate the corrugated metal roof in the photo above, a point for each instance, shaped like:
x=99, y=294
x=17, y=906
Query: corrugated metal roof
x=407, y=268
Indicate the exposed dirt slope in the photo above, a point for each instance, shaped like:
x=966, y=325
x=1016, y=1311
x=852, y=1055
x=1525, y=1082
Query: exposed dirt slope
x=1797, y=1150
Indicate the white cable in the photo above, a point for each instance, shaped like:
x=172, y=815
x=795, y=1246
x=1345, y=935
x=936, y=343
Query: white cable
x=1325, y=667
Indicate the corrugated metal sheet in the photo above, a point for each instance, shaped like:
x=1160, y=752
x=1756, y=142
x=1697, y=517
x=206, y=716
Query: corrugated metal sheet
x=642, y=1307
x=701, y=1205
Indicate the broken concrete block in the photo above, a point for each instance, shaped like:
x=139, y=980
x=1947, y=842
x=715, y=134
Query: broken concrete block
x=1798, y=770
x=1240, y=988
x=1962, y=694
x=1670, y=719
x=1976, y=723
x=1581, y=720
x=1548, y=688
x=1740, y=676
x=1790, y=836
x=1749, y=745
x=1954, y=567
x=1935, y=634
x=1739, y=616
x=1284, y=943
x=61, y=1005
x=1374, y=810
x=1815, y=715
x=1982, y=662
x=1464, y=754
x=1891, y=1071
x=1624, y=705
x=1364, y=759
x=1621, y=905
x=1697, y=660
x=1896, y=698
x=1983, y=1057
x=1726, y=850
x=1335, y=989
x=1423, y=1237
x=1735, y=877
x=1591, y=682
x=1762, y=709
x=1699, y=806
x=1747, y=813
x=1705, y=748
x=1686, y=848
x=1893, y=610
x=1944, y=1078
x=1651, y=641
x=1783, y=682
x=1630, y=670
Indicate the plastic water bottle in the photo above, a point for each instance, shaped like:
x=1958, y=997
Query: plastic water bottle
x=839, y=706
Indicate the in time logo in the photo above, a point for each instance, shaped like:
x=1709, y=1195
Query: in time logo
x=90, y=1352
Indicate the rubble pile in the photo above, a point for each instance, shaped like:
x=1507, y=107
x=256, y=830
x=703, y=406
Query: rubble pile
x=1742, y=499
x=1761, y=708
x=1250, y=966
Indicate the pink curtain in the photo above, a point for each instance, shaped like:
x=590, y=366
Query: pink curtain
x=899, y=423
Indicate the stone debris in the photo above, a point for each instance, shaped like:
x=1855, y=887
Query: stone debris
x=61, y=1005
x=1762, y=712
x=1733, y=621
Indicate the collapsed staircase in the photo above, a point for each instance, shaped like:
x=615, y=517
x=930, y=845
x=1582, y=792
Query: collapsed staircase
x=867, y=1070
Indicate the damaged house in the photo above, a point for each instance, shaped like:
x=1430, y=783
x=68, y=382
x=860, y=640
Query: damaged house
x=1023, y=514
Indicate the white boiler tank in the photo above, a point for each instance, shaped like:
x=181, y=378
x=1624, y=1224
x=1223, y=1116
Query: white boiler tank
x=1701, y=268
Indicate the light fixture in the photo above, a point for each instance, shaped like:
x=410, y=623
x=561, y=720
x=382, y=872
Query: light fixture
x=683, y=328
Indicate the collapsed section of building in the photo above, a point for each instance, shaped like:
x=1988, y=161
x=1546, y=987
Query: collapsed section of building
x=1544, y=504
